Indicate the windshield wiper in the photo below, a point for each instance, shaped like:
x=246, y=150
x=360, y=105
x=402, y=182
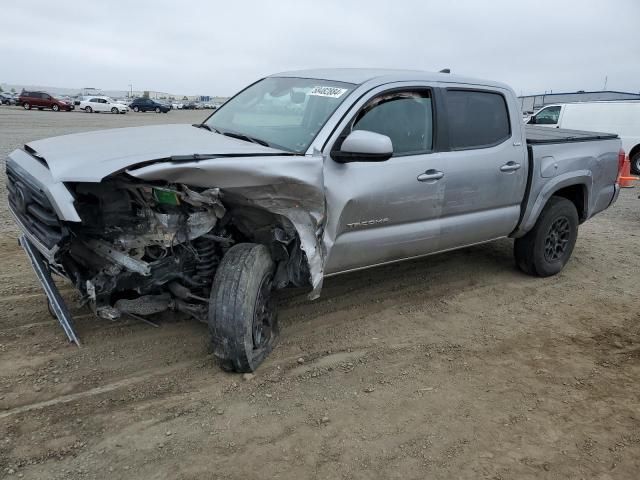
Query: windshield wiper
x=246, y=138
x=239, y=136
x=205, y=126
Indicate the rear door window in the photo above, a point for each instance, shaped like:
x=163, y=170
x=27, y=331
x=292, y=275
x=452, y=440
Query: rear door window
x=476, y=119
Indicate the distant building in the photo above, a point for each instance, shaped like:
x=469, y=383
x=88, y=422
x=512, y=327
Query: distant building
x=531, y=103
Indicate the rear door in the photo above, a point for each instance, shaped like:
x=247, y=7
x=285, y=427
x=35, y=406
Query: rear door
x=35, y=98
x=486, y=166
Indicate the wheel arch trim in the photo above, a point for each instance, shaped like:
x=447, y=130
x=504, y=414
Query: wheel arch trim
x=581, y=178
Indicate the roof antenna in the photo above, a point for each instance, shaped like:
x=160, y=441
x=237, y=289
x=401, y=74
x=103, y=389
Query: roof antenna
x=445, y=70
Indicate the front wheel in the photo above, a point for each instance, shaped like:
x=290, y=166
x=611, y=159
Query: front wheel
x=55, y=108
x=635, y=164
x=242, y=319
x=26, y=106
x=114, y=110
x=88, y=109
x=136, y=109
x=546, y=249
x=157, y=109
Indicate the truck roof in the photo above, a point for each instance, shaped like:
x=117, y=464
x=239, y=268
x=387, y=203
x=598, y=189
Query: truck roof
x=381, y=76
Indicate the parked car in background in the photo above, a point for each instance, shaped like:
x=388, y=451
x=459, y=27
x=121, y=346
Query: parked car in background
x=69, y=100
x=618, y=117
x=192, y=106
x=7, y=98
x=177, y=106
x=148, y=105
x=34, y=99
x=102, y=104
x=340, y=170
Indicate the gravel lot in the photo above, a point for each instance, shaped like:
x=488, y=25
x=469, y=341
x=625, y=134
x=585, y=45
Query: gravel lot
x=454, y=366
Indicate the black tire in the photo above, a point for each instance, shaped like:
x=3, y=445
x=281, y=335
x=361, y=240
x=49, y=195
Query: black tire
x=114, y=110
x=136, y=109
x=88, y=109
x=26, y=106
x=55, y=108
x=243, y=324
x=635, y=164
x=546, y=249
x=157, y=109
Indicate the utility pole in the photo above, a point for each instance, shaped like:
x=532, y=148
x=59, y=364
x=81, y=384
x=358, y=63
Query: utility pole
x=130, y=90
x=606, y=77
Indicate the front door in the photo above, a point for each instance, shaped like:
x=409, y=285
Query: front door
x=386, y=210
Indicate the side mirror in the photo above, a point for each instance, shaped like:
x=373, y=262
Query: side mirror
x=532, y=120
x=364, y=146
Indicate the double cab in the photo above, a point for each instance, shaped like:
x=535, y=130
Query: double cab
x=300, y=176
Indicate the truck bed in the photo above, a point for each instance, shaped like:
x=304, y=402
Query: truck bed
x=537, y=135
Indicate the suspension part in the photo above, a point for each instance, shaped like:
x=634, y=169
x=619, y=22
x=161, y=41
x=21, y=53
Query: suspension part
x=207, y=261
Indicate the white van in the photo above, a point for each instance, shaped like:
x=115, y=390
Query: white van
x=622, y=118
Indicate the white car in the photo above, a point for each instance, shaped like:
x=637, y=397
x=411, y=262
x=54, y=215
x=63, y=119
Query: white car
x=102, y=104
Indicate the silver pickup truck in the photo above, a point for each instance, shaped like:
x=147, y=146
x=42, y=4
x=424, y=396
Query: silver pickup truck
x=300, y=176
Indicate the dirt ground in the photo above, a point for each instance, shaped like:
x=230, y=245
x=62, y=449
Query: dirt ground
x=453, y=366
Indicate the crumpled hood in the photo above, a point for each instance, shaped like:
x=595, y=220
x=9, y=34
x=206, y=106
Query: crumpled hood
x=91, y=156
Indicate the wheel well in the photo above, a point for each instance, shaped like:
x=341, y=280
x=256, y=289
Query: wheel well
x=577, y=194
x=635, y=150
x=278, y=234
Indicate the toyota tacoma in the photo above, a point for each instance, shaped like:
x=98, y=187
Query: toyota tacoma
x=300, y=176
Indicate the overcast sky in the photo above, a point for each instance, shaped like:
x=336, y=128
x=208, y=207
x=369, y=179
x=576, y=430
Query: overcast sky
x=202, y=47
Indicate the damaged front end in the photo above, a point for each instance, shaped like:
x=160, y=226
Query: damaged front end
x=141, y=248
x=137, y=236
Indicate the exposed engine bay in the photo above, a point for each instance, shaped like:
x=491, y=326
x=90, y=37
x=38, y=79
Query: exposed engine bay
x=142, y=248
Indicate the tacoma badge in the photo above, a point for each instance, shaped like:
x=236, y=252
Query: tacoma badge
x=368, y=223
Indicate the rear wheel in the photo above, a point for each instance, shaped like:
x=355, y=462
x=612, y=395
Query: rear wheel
x=26, y=106
x=635, y=164
x=546, y=249
x=243, y=323
x=157, y=109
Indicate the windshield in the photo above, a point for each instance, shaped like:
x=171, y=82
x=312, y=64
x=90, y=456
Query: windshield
x=281, y=112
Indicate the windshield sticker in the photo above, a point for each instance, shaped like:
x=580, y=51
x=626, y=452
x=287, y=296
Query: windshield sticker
x=333, y=92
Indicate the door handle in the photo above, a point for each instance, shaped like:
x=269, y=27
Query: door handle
x=430, y=174
x=510, y=167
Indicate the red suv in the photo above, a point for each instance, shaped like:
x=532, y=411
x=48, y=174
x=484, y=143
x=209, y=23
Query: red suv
x=41, y=100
